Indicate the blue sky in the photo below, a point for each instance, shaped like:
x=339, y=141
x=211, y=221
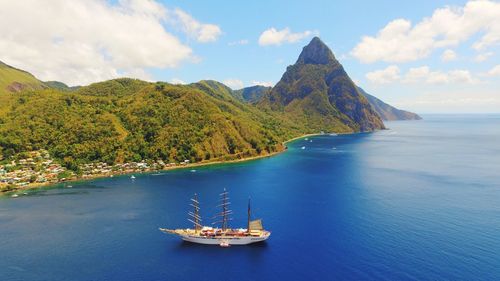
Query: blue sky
x=340, y=25
x=425, y=56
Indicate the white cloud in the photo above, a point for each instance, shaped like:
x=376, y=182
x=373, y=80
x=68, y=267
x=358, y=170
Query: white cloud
x=448, y=55
x=400, y=41
x=201, y=32
x=495, y=71
x=234, y=84
x=452, y=101
x=177, y=81
x=416, y=74
x=483, y=56
x=239, y=42
x=421, y=74
x=425, y=75
x=435, y=77
x=263, y=83
x=84, y=41
x=461, y=76
x=384, y=76
x=272, y=36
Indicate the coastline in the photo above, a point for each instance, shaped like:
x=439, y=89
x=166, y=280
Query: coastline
x=35, y=186
x=301, y=137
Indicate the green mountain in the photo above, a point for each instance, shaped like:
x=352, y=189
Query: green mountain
x=252, y=94
x=388, y=112
x=317, y=94
x=60, y=86
x=125, y=120
x=13, y=80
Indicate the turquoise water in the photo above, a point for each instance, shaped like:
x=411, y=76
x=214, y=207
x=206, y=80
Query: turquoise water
x=418, y=202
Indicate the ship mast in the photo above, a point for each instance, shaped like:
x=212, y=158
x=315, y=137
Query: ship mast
x=195, y=215
x=224, y=215
x=248, y=222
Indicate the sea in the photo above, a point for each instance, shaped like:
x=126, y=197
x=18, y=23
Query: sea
x=419, y=201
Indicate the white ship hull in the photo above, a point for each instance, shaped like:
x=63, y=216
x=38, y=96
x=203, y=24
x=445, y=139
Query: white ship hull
x=190, y=235
x=231, y=240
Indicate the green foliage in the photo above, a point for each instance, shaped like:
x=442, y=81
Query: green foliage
x=7, y=188
x=60, y=86
x=252, y=94
x=12, y=81
x=68, y=125
x=115, y=88
x=316, y=94
x=10, y=75
x=64, y=175
x=125, y=120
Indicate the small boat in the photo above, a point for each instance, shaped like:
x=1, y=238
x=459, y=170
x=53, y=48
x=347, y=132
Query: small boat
x=70, y=186
x=311, y=141
x=334, y=148
x=333, y=134
x=303, y=147
x=224, y=236
x=132, y=177
x=192, y=171
x=14, y=196
x=306, y=138
x=111, y=176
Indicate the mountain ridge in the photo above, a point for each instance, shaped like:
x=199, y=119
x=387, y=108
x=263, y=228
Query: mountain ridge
x=123, y=119
x=388, y=112
x=14, y=80
x=318, y=91
x=316, y=52
x=252, y=94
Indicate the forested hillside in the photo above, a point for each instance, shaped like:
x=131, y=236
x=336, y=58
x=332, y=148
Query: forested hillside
x=129, y=120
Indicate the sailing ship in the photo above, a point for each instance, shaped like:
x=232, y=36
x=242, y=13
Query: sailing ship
x=224, y=235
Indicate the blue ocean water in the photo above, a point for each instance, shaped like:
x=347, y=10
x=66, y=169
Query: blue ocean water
x=418, y=202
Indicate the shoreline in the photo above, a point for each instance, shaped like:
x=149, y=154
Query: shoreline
x=22, y=189
x=303, y=136
x=35, y=186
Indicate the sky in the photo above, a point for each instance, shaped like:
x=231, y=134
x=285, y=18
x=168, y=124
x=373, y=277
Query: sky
x=424, y=56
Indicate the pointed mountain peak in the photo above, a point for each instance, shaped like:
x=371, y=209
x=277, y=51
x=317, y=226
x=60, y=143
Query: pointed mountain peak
x=316, y=52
